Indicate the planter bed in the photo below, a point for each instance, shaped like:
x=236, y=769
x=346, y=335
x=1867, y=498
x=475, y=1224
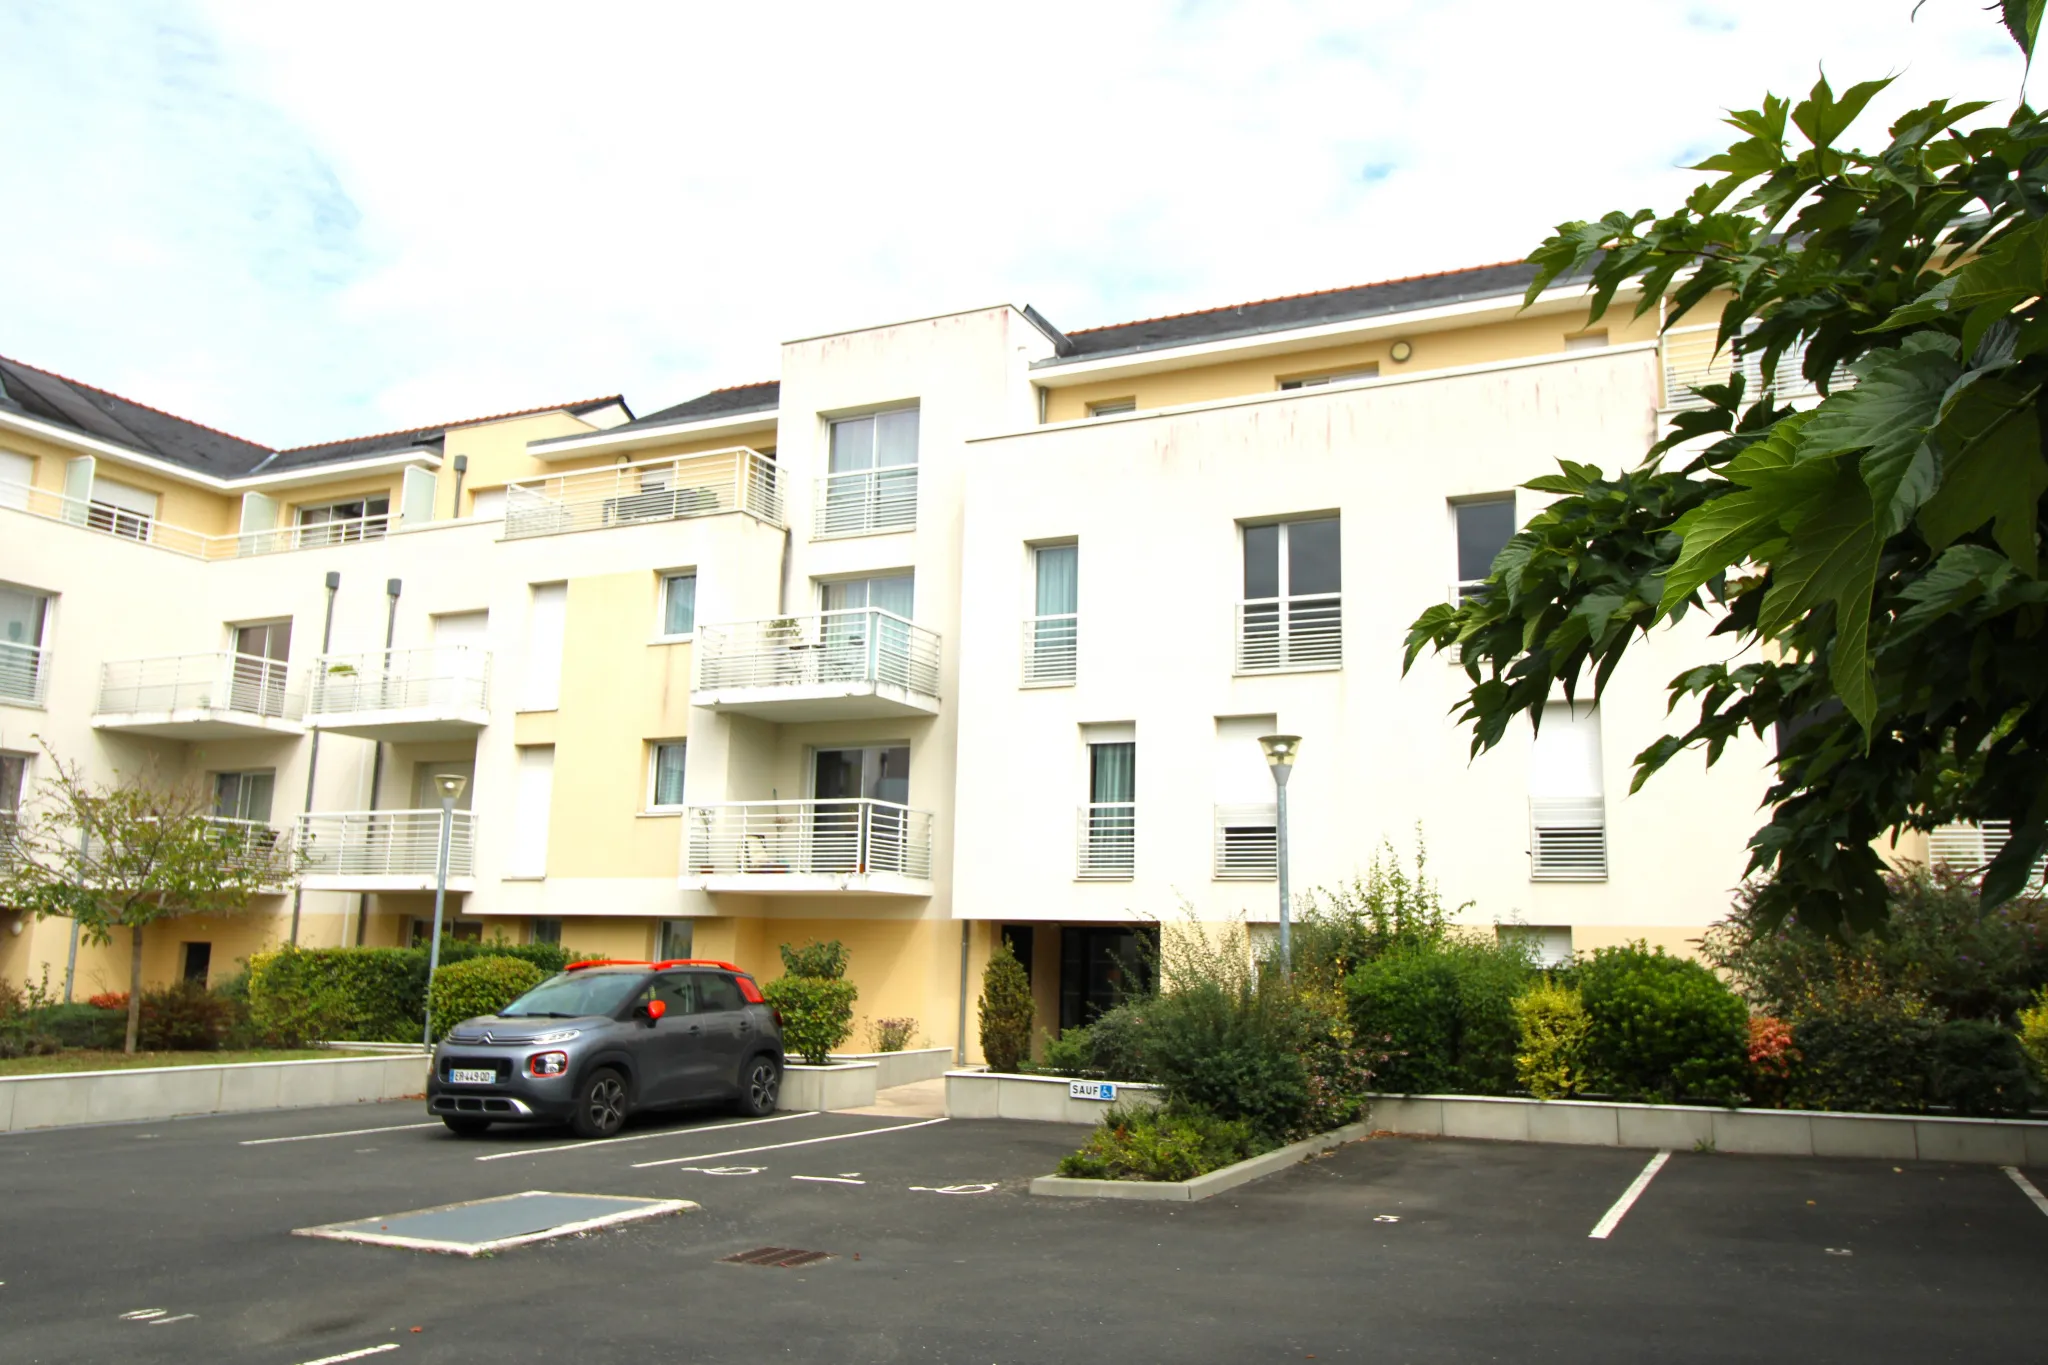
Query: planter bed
x=838, y=1085
x=905, y=1067
x=1771, y=1132
x=1202, y=1186
x=144, y=1093
x=977, y=1094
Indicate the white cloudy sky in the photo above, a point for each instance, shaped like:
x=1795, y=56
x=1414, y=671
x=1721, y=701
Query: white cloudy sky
x=304, y=221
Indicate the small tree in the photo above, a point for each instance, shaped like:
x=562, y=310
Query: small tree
x=1007, y=1010
x=814, y=999
x=127, y=855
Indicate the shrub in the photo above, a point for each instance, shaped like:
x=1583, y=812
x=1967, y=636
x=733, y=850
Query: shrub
x=1069, y=1053
x=2034, y=1035
x=817, y=1013
x=17, y=1039
x=1444, y=1012
x=1174, y=1143
x=83, y=1025
x=1772, y=1060
x=825, y=961
x=1977, y=1067
x=1116, y=1045
x=1865, y=1054
x=893, y=1035
x=370, y=994
x=1552, y=1024
x=108, y=1000
x=482, y=985
x=1339, y=1072
x=1007, y=1010
x=185, y=1017
x=1662, y=1027
x=1389, y=907
x=1232, y=1052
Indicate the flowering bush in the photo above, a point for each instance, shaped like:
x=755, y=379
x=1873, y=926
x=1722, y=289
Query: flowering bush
x=108, y=1000
x=1771, y=1059
x=893, y=1035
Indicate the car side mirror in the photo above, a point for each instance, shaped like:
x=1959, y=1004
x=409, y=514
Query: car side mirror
x=655, y=1009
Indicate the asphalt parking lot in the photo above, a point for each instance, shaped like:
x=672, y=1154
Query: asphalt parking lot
x=172, y=1242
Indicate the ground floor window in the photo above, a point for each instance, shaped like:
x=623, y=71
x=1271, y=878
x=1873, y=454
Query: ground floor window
x=1100, y=964
x=673, y=942
x=462, y=930
x=198, y=957
x=545, y=931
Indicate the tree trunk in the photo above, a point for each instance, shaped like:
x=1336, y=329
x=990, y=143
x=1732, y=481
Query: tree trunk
x=134, y=987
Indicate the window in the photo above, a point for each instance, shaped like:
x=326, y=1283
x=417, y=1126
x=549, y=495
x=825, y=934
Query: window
x=1109, y=823
x=678, y=605
x=544, y=930
x=198, y=957
x=1291, y=617
x=872, y=480
x=866, y=634
x=1547, y=945
x=13, y=781
x=1050, y=634
x=338, y=523
x=17, y=477
x=674, y=940
x=421, y=931
x=533, y=792
x=22, y=618
x=1484, y=526
x=121, y=509
x=487, y=504
x=1319, y=381
x=1586, y=341
x=244, y=796
x=1101, y=967
x=260, y=668
x=1567, y=805
x=1110, y=407
x=545, y=621
x=1247, y=836
x=665, y=775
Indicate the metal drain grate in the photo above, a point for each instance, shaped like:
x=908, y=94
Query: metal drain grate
x=782, y=1257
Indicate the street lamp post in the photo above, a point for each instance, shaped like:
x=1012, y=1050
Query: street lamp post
x=450, y=785
x=1280, y=751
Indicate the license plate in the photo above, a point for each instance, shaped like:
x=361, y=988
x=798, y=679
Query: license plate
x=470, y=1076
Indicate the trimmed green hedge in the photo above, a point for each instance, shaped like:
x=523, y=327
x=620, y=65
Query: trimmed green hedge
x=300, y=995
x=480, y=986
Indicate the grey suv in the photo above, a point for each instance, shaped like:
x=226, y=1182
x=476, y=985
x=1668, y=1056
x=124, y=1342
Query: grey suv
x=590, y=1046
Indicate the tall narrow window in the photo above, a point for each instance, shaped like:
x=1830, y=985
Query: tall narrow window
x=13, y=779
x=866, y=634
x=1051, y=635
x=1292, y=616
x=665, y=775
x=244, y=796
x=261, y=655
x=1247, y=839
x=678, y=605
x=1109, y=821
x=544, y=625
x=871, y=483
x=22, y=616
x=533, y=794
x=1484, y=527
x=1567, y=804
x=17, y=477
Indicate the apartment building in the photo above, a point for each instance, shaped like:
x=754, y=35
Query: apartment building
x=962, y=627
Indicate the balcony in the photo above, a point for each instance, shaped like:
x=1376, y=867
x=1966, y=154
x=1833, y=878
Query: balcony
x=1691, y=361
x=1247, y=840
x=253, y=846
x=1567, y=839
x=400, y=696
x=1969, y=849
x=1051, y=650
x=793, y=848
x=837, y=665
x=733, y=480
x=122, y=524
x=24, y=674
x=1107, y=846
x=865, y=502
x=1290, y=634
x=384, y=850
x=199, y=696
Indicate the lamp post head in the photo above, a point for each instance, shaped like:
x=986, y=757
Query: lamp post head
x=451, y=785
x=1280, y=752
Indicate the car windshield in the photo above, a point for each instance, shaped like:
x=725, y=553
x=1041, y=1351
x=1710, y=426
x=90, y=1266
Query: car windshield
x=572, y=996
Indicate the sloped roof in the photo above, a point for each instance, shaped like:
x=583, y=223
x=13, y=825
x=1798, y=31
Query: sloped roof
x=416, y=438
x=736, y=401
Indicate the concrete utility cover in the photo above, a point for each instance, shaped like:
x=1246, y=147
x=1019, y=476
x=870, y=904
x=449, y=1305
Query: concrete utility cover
x=510, y=1220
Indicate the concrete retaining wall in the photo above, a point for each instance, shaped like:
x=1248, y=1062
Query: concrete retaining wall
x=843, y=1085
x=166, y=1092
x=1040, y=1099
x=902, y=1068
x=1770, y=1132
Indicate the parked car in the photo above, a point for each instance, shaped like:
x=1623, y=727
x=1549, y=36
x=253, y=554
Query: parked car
x=604, y=1039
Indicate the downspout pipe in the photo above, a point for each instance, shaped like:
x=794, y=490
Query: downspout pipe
x=391, y=591
x=455, y=507
x=313, y=752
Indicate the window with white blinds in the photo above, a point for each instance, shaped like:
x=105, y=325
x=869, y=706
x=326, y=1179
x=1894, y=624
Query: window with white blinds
x=533, y=794
x=1567, y=801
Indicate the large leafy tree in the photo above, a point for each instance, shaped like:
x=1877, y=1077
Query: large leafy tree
x=1873, y=562
x=125, y=855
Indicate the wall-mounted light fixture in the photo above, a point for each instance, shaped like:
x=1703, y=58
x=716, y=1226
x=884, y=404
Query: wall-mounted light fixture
x=1400, y=351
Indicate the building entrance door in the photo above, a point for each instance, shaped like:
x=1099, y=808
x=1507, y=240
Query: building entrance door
x=1100, y=965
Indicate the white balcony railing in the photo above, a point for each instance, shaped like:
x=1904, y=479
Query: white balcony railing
x=385, y=843
x=255, y=846
x=1290, y=634
x=312, y=536
x=1568, y=839
x=1691, y=361
x=24, y=673
x=1970, y=848
x=242, y=683
x=1247, y=843
x=1107, y=848
x=443, y=678
x=736, y=479
x=866, y=644
x=1051, y=650
x=153, y=531
x=850, y=837
x=864, y=501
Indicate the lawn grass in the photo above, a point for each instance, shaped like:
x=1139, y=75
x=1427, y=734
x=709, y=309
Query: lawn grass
x=95, y=1059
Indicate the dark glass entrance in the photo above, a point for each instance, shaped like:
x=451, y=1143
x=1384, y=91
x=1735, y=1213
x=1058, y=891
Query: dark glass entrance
x=1100, y=965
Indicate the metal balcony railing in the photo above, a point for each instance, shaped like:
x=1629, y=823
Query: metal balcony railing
x=1691, y=361
x=830, y=837
x=1568, y=839
x=1051, y=650
x=154, y=531
x=863, y=501
x=1107, y=848
x=1248, y=843
x=445, y=678
x=737, y=479
x=254, y=846
x=24, y=673
x=1290, y=634
x=865, y=644
x=246, y=684
x=1970, y=848
x=384, y=843
x=312, y=536
x=9, y=832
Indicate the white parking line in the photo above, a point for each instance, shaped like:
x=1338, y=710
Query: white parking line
x=2027, y=1187
x=353, y=1355
x=777, y=1146
x=829, y=1179
x=641, y=1137
x=346, y=1132
x=1612, y=1218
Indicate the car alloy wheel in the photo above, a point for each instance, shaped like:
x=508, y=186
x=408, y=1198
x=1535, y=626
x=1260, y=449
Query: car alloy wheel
x=763, y=1084
x=606, y=1104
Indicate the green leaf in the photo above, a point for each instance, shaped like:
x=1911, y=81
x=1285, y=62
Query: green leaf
x=1962, y=574
x=2023, y=22
x=2008, y=272
x=1992, y=471
x=1831, y=559
x=1896, y=401
x=1823, y=118
x=1724, y=531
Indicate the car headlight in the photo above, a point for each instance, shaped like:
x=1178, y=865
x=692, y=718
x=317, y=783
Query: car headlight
x=560, y=1035
x=544, y=1064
